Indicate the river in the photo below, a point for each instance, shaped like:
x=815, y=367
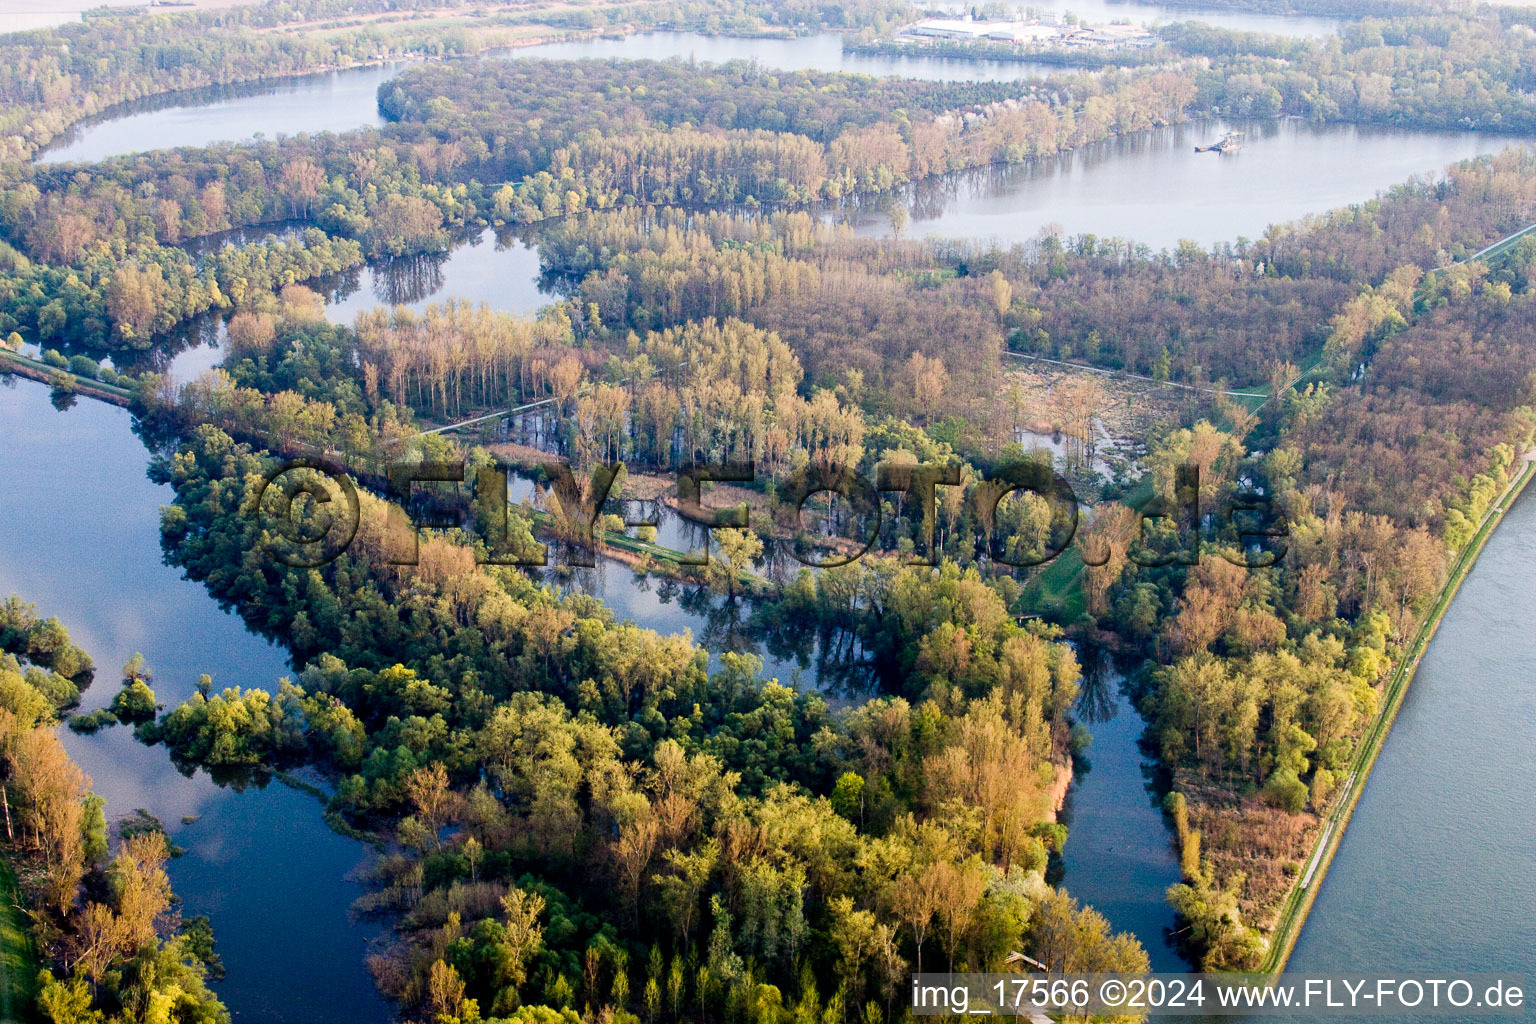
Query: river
x=81, y=541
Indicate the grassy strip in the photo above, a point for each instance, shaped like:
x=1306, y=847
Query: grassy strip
x=18, y=960
x=1056, y=589
x=669, y=558
x=1298, y=902
x=38, y=370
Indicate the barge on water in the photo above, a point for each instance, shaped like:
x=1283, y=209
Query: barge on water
x=1228, y=143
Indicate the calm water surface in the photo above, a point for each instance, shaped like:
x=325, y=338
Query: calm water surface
x=1119, y=856
x=81, y=541
x=820, y=52
x=1097, y=12
x=334, y=101
x=21, y=15
x=339, y=101
x=497, y=270
x=343, y=100
x=1153, y=188
x=1461, y=858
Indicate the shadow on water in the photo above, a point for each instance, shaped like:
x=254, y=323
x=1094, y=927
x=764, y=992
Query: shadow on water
x=1120, y=857
x=497, y=267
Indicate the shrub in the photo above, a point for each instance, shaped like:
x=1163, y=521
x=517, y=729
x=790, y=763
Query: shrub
x=92, y=721
x=135, y=702
x=1322, y=785
x=1286, y=791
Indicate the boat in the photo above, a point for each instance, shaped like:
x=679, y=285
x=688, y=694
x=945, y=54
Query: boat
x=1228, y=143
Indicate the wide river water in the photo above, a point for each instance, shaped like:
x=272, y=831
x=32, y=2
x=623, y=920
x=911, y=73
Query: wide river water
x=1406, y=889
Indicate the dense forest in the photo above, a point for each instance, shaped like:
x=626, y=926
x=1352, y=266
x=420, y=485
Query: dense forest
x=1268, y=676
x=762, y=851
x=586, y=821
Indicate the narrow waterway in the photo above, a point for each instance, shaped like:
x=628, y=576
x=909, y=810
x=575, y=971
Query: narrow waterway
x=1119, y=858
x=1437, y=870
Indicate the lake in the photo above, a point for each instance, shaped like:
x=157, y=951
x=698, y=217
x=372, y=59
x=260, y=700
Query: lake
x=1120, y=857
x=81, y=542
x=496, y=268
x=1096, y=12
x=820, y=52
x=339, y=101
x=22, y=15
x=333, y=101
x=1153, y=188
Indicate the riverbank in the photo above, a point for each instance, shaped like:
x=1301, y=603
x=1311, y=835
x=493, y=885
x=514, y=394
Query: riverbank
x=1069, y=60
x=1298, y=902
x=34, y=369
x=408, y=39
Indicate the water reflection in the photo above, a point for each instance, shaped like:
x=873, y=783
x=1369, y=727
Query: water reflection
x=497, y=267
x=1096, y=12
x=333, y=101
x=1119, y=856
x=80, y=539
x=1151, y=187
x=205, y=245
x=819, y=52
x=1436, y=867
x=828, y=661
